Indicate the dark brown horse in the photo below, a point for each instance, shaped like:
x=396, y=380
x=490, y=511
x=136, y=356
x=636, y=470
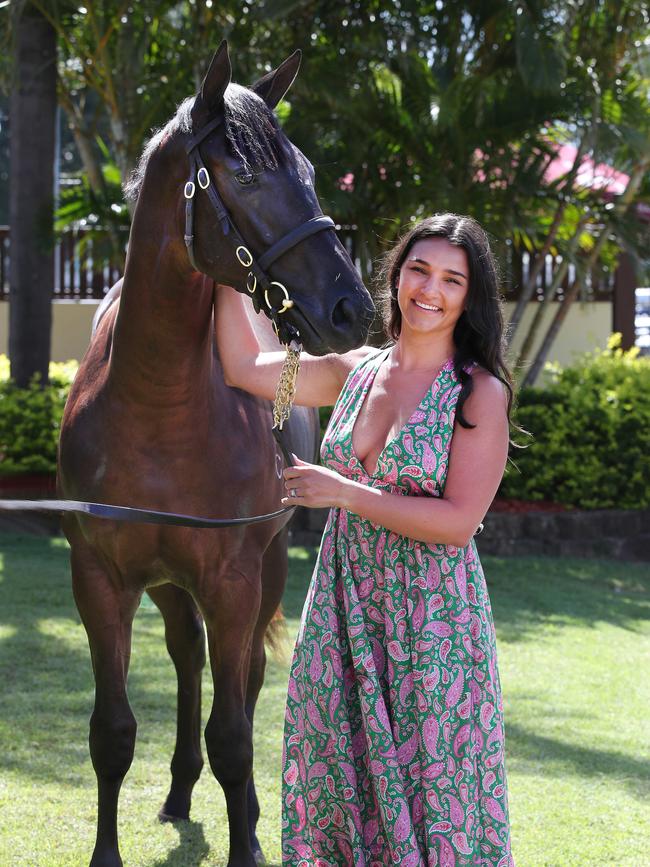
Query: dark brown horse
x=150, y=423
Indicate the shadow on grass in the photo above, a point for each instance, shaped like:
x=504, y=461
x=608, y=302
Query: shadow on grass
x=192, y=848
x=45, y=665
x=528, y=592
x=531, y=752
x=45, y=668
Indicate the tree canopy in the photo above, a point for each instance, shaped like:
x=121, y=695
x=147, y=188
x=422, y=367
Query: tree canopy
x=405, y=108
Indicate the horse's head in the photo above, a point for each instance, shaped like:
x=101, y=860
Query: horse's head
x=252, y=217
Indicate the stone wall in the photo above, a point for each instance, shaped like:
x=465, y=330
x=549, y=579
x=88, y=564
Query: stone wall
x=611, y=534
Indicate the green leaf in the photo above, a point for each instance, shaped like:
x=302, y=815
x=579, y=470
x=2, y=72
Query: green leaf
x=540, y=61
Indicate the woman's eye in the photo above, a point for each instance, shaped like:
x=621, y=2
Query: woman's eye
x=245, y=178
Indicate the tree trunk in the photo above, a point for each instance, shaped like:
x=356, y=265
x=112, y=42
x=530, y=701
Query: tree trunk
x=561, y=314
x=31, y=200
x=622, y=204
x=528, y=290
x=549, y=295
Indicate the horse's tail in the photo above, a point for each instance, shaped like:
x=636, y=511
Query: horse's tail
x=276, y=633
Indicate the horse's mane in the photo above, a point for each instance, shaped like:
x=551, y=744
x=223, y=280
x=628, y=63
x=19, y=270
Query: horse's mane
x=251, y=132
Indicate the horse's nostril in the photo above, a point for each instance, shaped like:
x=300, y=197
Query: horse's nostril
x=343, y=313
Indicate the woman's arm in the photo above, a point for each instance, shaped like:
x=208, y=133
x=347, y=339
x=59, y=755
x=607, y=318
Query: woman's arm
x=477, y=461
x=245, y=365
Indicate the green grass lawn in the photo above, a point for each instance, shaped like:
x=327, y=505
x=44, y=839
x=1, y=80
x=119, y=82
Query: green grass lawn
x=574, y=655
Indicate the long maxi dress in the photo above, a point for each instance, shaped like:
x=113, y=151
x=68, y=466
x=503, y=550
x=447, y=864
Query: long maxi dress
x=394, y=735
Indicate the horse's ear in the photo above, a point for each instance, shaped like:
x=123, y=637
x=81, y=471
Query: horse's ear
x=217, y=79
x=273, y=86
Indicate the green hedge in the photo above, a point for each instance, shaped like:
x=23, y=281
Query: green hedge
x=590, y=426
x=30, y=419
x=591, y=434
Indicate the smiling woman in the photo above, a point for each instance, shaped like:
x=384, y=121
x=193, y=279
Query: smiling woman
x=433, y=280
x=394, y=739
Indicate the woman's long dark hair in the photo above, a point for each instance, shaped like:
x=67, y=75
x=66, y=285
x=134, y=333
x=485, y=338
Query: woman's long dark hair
x=479, y=333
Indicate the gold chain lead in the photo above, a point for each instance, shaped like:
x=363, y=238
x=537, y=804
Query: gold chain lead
x=286, y=390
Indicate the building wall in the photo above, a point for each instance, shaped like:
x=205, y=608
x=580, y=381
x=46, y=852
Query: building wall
x=587, y=326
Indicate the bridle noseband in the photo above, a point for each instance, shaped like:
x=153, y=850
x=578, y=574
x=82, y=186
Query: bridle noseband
x=258, y=282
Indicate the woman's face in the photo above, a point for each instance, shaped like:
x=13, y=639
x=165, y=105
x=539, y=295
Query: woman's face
x=432, y=286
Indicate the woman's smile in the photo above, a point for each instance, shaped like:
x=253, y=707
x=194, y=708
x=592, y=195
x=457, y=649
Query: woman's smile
x=423, y=306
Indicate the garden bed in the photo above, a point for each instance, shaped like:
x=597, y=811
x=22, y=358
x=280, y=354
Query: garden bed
x=29, y=486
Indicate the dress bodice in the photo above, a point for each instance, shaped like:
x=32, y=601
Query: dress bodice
x=415, y=460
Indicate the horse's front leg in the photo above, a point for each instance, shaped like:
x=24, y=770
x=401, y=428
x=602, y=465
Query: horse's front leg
x=230, y=613
x=185, y=640
x=107, y=614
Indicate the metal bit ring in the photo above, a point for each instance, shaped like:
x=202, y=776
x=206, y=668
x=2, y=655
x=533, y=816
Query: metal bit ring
x=287, y=303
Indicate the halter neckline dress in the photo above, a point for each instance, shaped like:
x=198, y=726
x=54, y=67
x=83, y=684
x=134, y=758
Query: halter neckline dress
x=394, y=737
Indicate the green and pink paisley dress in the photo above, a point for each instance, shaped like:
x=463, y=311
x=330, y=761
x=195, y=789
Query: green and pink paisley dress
x=394, y=737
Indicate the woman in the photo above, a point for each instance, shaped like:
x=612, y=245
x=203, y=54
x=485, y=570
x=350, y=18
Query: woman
x=394, y=740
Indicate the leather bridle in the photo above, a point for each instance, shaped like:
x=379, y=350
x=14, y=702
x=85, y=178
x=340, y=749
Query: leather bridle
x=258, y=283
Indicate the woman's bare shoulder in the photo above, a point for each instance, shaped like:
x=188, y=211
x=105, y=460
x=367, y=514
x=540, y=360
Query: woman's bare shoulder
x=344, y=364
x=487, y=389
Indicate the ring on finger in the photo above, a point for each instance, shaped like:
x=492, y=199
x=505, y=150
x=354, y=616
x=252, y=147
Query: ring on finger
x=293, y=493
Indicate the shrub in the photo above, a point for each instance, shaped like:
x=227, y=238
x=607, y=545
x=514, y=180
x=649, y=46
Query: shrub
x=591, y=434
x=590, y=427
x=30, y=419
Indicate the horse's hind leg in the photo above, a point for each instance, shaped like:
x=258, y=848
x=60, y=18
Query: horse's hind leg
x=231, y=611
x=274, y=576
x=186, y=645
x=107, y=613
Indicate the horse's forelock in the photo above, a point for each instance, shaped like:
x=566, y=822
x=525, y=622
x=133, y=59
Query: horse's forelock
x=251, y=132
x=251, y=128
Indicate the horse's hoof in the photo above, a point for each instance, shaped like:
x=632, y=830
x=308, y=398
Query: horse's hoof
x=176, y=807
x=106, y=858
x=256, y=849
x=249, y=860
x=163, y=816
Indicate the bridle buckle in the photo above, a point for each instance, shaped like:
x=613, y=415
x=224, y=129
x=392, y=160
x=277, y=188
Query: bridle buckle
x=244, y=256
x=203, y=178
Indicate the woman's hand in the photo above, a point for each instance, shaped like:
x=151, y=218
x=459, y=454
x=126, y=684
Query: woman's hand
x=313, y=486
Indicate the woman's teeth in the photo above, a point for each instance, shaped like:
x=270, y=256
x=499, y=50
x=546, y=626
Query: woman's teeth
x=428, y=306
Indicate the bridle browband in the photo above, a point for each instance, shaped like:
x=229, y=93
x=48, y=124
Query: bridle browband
x=258, y=283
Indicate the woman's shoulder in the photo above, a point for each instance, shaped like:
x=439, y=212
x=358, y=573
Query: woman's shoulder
x=354, y=361
x=487, y=389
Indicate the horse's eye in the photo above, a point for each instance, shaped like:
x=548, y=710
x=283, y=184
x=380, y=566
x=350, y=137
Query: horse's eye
x=245, y=178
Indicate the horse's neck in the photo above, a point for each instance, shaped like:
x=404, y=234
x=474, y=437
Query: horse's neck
x=163, y=333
